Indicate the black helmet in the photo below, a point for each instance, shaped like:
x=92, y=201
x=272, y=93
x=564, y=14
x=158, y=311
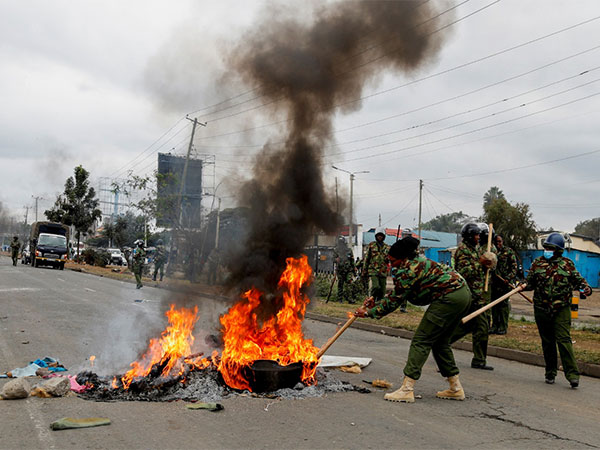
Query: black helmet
x=469, y=230
x=404, y=248
x=159, y=242
x=555, y=241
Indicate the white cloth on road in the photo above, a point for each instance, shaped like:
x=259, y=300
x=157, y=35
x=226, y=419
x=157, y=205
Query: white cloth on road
x=340, y=361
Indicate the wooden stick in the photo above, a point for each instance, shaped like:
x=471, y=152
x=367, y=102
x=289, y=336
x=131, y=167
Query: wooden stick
x=512, y=287
x=489, y=305
x=331, y=287
x=489, y=248
x=333, y=338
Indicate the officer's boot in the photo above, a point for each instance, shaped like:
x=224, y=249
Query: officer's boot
x=404, y=394
x=454, y=392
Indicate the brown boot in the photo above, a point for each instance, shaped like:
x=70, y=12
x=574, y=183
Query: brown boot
x=404, y=394
x=454, y=392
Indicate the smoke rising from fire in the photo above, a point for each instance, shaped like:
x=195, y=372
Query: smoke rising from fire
x=306, y=72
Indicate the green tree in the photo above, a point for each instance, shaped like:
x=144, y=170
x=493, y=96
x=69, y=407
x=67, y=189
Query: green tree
x=589, y=228
x=449, y=223
x=492, y=194
x=77, y=206
x=513, y=222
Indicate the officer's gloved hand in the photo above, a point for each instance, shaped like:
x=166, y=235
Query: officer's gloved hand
x=369, y=302
x=489, y=260
x=586, y=292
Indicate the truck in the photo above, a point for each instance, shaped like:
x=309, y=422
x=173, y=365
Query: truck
x=49, y=244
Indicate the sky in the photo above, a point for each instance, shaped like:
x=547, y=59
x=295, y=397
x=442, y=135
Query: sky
x=511, y=99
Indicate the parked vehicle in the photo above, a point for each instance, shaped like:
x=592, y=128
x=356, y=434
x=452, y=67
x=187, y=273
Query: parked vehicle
x=117, y=257
x=49, y=244
x=26, y=255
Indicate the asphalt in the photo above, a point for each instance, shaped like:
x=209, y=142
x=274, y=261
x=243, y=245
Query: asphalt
x=72, y=315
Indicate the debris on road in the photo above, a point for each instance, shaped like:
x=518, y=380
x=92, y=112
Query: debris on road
x=57, y=386
x=15, y=389
x=52, y=364
x=207, y=406
x=383, y=384
x=67, y=423
x=351, y=369
x=339, y=361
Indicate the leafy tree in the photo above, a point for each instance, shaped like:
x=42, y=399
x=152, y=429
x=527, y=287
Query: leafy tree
x=589, y=228
x=77, y=206
x=513, y=222
x=492, y=194
x=449, y=223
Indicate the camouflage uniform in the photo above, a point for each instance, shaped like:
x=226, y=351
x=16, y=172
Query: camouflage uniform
x=15, y=245
x=466, y=262
x=425, y=282
x=213, y=265
x=160, y=257
x=139, y=258
x=507, y=269
x=345, y=275
x=553, y=281
x=376, y=267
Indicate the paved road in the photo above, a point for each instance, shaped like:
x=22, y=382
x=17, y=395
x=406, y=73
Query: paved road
x=72, y=315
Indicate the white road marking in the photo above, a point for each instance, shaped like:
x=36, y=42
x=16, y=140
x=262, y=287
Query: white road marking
x=18, y=289
x=60, y=279
x=91, y=290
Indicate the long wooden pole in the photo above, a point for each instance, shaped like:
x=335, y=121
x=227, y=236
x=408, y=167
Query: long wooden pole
x=333, y=338
x=491, y=304
x=511, y=286
x=489, y=248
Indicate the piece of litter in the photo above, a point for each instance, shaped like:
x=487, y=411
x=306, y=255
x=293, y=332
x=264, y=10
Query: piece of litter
x=208, y=406
x=384, y=384
x=67, y=423
x=351, y=369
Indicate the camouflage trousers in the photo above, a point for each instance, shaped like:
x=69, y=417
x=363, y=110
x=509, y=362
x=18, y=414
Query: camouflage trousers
x=480, y=328
x=159, y=267
x=434, y=333
x=555, y=331
x=500, y=312
x=15, y=257
x=137, y=271
x=378, y=286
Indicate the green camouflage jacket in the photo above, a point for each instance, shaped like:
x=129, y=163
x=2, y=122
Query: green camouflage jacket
x=161, y=254
x=139, y=257
x=376, y=259
x=345, y=269
x=507, y=265
x=466, y=262
x=553, y=282
x=420, y=281
x=14, y=247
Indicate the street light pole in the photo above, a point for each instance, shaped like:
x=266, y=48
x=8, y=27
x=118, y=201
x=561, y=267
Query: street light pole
x=350, y=224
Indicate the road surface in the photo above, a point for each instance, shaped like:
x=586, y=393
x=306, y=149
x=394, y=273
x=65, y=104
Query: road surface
x=70, y=316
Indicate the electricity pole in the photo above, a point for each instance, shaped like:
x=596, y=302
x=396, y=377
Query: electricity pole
x=350, y=224
x=420, y=204
x=36, y=205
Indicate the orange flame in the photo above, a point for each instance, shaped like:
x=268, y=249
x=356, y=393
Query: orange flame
x=279, y=339
x=169, y=351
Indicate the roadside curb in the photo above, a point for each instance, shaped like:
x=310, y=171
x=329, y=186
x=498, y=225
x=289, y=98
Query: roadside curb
x=590, y=370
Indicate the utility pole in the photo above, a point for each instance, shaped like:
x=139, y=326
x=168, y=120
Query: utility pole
x=26, y=214
x=218, y=224
x=36, y=205
x=420, y=204
x=379, y=225
x=350, y=224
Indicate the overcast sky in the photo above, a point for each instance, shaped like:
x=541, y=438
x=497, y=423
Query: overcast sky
x=107, y=84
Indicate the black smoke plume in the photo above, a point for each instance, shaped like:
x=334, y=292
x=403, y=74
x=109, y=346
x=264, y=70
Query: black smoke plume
x=306, y=72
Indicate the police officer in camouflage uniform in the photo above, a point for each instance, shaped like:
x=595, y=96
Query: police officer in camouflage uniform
x=15, y=245
x=375, y=265
x=553, y=278
x=160, y=257
x=503, y=278
x=471, y=264
x=425, y=282
x=139, y=258
x=345, y=273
